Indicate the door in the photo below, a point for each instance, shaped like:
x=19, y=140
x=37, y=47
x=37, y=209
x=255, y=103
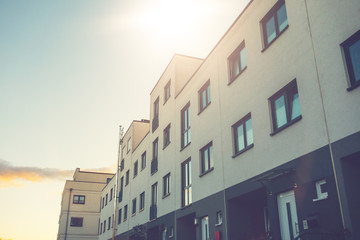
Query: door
x=289, y=226
x=205, y=228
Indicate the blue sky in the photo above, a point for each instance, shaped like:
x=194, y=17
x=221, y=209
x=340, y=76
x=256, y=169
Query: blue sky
x=70, y=73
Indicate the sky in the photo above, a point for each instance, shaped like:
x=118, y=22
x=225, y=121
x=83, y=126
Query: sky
x=71, y=72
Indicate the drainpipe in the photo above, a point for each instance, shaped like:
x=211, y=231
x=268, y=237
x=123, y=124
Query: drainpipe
x=67, y=217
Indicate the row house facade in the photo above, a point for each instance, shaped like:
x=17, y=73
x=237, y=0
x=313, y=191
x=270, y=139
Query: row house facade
x=259, y=140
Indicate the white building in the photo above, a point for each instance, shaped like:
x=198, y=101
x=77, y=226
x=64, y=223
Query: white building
x=260, y=140
x=80, y=208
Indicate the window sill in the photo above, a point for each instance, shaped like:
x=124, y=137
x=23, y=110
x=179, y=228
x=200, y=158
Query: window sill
x=233, y=80
x=166, y=145
x=133, y=214
x=286, y=125
x=166, y=196
x=320, y=199
x=353, y=86
x=141, y=210
x=268, y=45
x=204, y=108
x=218, y=224
x=182, y=148
x=154, y=172
x=204, y=173
x=243, y=150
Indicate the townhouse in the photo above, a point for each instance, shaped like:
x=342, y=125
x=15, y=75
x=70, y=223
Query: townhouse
x=260, y=140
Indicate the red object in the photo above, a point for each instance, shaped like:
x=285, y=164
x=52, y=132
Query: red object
x=217, y=235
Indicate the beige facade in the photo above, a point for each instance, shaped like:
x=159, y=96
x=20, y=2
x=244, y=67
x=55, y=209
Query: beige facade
x=80, y=205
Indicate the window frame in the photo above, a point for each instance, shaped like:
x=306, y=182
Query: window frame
x=79, y=201
x=125, y=212
x=111, y=194
x=133, y=211
x=272, y=13
x=127, y=177
x=136, y=167
x=186, y=186
x=142, y=201
x=185, y=126
x=120, y=216
x=204, y=89
x=208, y=148
x=109, y=223
x=155, y=156
x=166, y=185
x=235, y=133
x=286, y=91
x=128, y=145
x=155, y=119
x=235, y=57
x=143, y=160
x=355, y=38
x=76, y=222
x=167, y=91
x=166, y=134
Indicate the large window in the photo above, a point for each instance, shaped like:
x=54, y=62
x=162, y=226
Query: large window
x=285, y=107
x=154, y=161
x=109, y=223
x=274, y=23
x=166, y=185
x=237, y=62
x=155, y=121
x=79, y=199
x=352, y=57
x=143, y=160
x=153, y=206
x=111, y=194
x=76, y=222
x=167, y=92
x=204, y=96
x=136, y=164
x=243, y=134
x=186, y=194
x=167, y=136
x=206, y=157
x=142, y=201
x=120, y=215
x=133, y=206
x=125, y=212
x=185, y=126
x=127, y=177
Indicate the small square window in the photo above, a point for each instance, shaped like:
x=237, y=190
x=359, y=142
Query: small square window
x=167, y=136
x=76, y=222
x=204, y=96
x=167, y=92
x=274, y=23
x=351, y=49
x=207, y=159
x=79, y=199
x=166, y=185
x=285, y=107
x=243, y=135
x=321, y=190
x=237, y=62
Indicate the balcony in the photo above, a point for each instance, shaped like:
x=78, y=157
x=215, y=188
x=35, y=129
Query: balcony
x=155, y=123
x=153, y=212
x=154, y=166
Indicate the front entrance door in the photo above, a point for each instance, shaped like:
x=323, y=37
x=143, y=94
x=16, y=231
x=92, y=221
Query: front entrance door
x=289, y=226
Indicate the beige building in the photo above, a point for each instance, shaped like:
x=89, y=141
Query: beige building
x=260, y=140
x=80, y=205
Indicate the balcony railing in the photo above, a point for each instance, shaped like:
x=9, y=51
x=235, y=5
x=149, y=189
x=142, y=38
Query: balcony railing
x=153, y=212
x=154, y=166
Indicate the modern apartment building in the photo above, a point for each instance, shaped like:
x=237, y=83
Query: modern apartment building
x=80, y=208
x=260, y=140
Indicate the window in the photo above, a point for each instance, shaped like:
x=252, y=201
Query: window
x=154, y=194
x=121, y=188
x=111, y=194
x=167, y=136
x=186, y=195
x=237, y=62
x=104, y=226
x=206, y=156
x=76, y=222
x=128, y=146
x=127, y=177
x=274, y=23
x=243, y=135
x=321, y=190
x=204, y=96
x=142, y=201
x=101, y=227
x=166, y=185
x=285, y=107
x=119, y=217
x=155, y=121
x=205, y=228
x=125, y=212
x=154, y=161
x=185, y=126
x=79, y=199
x=143, y=160
x=133, y=212
x=122, y=164
x=167, y=92
x=109, y=223
x=103, y=202
x=351, y=49
x=135, y=168
x=106, y=199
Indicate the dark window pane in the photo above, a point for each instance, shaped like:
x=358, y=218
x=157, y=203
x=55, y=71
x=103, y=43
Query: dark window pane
x=270, y=29
x=355, y=59
x=282, y=18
